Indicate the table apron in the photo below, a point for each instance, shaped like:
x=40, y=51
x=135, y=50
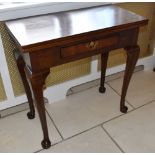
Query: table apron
x=54, y=56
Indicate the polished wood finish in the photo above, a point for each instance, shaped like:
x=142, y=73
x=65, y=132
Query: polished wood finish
x=132, y=57
x=50, y=40
x=54, y=29
x=88, y=46
x=37, y=82
x=104, y=60
x=21, y=67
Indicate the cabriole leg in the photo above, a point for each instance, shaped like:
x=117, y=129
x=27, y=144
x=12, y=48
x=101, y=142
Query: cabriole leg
x=37, y=82
x=104, y=59
x=21, y=66
x=132, y=57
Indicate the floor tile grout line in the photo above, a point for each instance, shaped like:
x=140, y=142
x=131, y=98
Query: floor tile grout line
x=54, y=125
x=109, y=120
x=38, y=151
x=101, y=124
x=120, y=95
x=112, y=139
x=98, y=125
x=141, y=106
x=128, y=112
x=65, y=139
x=91, y=127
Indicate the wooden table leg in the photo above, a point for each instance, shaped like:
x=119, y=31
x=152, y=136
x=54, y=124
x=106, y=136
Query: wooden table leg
x=132, y=57
x=21, y=66
x=37, y=82
x=104, y=59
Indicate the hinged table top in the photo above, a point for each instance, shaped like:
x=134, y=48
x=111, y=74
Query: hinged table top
x=33, y=31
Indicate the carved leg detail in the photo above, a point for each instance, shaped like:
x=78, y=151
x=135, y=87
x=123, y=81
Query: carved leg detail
x=104, y=59
x=21, y=66
x=37, y=82
x=132, y=57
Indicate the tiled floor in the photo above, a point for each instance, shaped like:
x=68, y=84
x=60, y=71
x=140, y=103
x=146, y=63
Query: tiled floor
x=88, y=121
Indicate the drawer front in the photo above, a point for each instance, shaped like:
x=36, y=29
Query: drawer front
x=82, y=48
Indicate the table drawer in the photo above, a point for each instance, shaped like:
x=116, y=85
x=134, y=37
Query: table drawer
x=82, y=48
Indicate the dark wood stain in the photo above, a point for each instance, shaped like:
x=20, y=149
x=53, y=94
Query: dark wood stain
x=50, y=40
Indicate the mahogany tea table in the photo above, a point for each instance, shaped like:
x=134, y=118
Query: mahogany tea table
x=49, y=40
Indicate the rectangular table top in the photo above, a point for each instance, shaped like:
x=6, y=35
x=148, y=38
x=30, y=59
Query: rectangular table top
x=45, y=28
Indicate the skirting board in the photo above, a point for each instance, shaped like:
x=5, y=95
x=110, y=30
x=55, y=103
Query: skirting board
x=58, y=92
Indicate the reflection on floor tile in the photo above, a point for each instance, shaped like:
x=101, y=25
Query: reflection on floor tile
x=19, y=134
x=135, y=131
x=84, y=110
x=141, y=88
x=94, y=140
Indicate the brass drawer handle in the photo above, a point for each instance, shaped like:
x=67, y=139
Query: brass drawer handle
x=92, y=45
